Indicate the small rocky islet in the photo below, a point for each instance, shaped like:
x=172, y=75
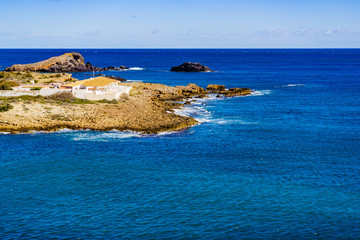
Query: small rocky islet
x=191, y=67
x=148, y=109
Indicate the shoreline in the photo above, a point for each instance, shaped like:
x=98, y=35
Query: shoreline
x=150, y=109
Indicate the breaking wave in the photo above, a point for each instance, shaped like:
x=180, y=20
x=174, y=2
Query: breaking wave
x=198, y=111
x=294, y=85
x=136, y=68
x=105, y=136
x=134, y=80
x=260, y=93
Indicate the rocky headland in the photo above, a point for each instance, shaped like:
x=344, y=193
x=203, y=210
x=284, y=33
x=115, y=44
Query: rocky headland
x=190, y=67
x=68, y=62
x=149, y=109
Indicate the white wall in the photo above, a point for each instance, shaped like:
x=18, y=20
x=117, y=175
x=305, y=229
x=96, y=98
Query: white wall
x=113, y=92
x=7, y=93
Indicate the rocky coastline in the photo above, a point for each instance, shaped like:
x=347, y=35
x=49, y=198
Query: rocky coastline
x=149, y=109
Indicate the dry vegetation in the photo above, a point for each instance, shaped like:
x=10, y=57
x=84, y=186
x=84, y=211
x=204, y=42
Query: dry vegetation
x=147, y=110
x=27, y=77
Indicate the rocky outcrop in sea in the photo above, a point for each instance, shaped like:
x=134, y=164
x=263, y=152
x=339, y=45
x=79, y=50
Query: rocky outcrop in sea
x=68, y=62
x=190, y=67
x=231, y=92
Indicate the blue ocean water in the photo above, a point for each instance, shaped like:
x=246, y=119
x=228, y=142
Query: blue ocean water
x=282, y=163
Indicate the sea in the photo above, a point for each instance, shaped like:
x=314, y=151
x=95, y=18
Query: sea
x=281, y=163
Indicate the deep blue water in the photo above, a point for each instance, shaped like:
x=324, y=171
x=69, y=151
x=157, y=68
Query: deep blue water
x=283, y=163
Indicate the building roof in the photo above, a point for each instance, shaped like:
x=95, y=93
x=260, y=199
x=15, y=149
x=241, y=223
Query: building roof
x=35, y=85
x=92, y=82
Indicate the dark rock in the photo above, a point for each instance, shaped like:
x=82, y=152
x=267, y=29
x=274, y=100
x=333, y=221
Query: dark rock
x=117, y=78
x=190, y=67
x=214, y=87
x=89, y=65
x=112, y=68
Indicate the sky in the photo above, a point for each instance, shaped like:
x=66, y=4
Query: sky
x=180, y=24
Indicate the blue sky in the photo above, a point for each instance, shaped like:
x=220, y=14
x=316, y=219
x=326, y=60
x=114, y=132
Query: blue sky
x=180, y=24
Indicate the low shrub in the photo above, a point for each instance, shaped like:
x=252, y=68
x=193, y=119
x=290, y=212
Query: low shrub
x=62, y=96
x=114, y=101
x=5, y=86
x=35, y=88
x=5, y=108
x=28, y=75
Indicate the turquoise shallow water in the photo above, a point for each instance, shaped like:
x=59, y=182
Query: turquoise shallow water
x=281, y=163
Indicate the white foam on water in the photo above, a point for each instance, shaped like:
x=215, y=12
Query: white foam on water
x=5, y=133
x=260, y=93
x=197, y=110
x=166, y=133
x=134, y=80
x=67, y=130
x=136, y=68
x=200, y=114
x=106, y=136
x=294, y=85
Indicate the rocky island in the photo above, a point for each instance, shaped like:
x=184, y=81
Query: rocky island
x=68, y=62
x=190, y=67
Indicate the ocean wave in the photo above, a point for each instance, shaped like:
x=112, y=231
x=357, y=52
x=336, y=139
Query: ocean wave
x=294, y=85
x=200, y=114
x=166, y=133
x=33, y=132
x=260, y=93
x=106, y=136
x=136, y=68
x=67, y=130
x=198, y=111
x=112, y=135
x=134, y=80
x=5, y=133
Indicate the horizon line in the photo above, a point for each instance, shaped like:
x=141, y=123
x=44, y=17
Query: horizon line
x=188, y=48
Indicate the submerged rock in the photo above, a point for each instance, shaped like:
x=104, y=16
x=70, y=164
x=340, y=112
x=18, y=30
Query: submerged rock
x=68, y=62
x=191, y=67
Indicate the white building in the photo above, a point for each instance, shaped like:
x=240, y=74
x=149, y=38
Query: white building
x=92, y=89
x=98, y=88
